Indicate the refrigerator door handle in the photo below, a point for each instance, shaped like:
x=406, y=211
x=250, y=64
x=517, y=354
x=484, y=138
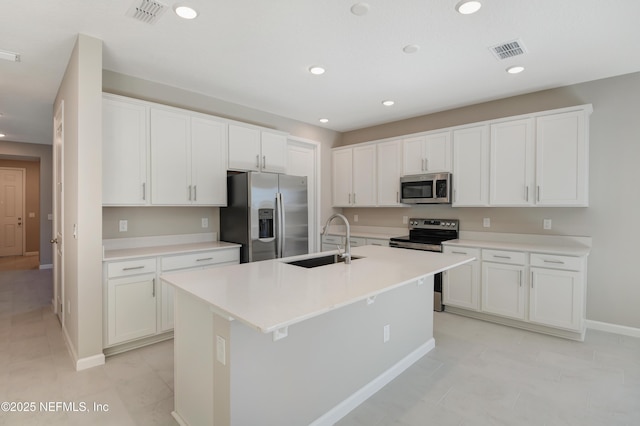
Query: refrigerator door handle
x=278, y=225
x=283, y=226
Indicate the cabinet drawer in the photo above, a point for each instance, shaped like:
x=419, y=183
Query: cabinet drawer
x=358, y=241
x=194, y=260
x=554, y=261
x=377, y=242
x=131, y=267
x=503, y=256
x=333, y=239
x=467, y=251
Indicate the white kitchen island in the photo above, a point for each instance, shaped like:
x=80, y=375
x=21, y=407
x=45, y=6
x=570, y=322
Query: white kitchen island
x=269, y=343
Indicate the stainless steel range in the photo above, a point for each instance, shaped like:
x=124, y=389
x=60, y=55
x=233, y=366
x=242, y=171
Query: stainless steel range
x=428, y=235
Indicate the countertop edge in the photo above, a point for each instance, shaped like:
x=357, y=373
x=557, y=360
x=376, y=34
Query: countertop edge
x=130, y=253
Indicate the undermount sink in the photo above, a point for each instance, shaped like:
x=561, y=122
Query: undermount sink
x=314, y=262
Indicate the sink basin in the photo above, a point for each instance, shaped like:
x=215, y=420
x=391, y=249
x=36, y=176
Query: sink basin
x=314, y=262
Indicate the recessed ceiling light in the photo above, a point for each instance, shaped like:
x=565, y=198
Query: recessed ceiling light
x=466, y=7
x=516, y=69
x=387, y=103
x=360, y=9
x=185, y=12
x=324, y=120
x=316, y=70
x=411, y=48
x=2, y=135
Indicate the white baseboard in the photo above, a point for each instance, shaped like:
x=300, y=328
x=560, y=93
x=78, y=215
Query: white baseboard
x=342, y=409
x=613, y=328
x=47, y=266
x=81, y=363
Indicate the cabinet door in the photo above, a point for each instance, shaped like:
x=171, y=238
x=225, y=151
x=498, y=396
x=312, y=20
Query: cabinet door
x=208, y=162
x=244, y=148
x=503, y=290
x=511, y=173
x=413, y=163
x=389, y=168
x=562, y=160
x=364, y=176
x=124, y=153
x=274, y=152
x=170, y=158
x=342, y=177
x=131, y=308
x=461, y=285
x=471, y=166
x=556, y=298
x=437, y=152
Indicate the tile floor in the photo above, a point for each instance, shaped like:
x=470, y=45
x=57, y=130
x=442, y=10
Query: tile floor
x=479, y=374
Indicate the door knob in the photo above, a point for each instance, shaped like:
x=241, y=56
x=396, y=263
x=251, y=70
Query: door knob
x=54, y=241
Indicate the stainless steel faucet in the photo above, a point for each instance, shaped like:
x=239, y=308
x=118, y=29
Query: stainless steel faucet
x=347, y=250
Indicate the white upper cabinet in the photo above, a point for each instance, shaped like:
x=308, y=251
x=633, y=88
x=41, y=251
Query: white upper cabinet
x=251, y=148
x=354, y=176
x=471, y=166
x=562, y=159
x=512, y=163
x=389, y=161
x=187, y=159
x=125, y=145
x=427, y=153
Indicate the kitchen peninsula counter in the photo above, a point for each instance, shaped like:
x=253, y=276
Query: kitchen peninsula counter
x=273, y=343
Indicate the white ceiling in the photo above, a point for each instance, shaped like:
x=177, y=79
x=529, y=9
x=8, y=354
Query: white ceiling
x=257, y=52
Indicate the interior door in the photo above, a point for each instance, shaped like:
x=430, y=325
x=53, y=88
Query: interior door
x=58, y=222
x=11, y=211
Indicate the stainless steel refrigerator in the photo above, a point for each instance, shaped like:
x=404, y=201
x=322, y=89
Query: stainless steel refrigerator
x=267, y=214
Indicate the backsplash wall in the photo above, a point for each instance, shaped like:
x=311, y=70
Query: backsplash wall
x=153, y=221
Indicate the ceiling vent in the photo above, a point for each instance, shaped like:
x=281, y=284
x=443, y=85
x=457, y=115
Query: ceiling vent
x=147, y=11
x=508, y=50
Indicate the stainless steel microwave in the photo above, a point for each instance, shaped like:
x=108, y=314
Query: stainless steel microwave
x=431, y=188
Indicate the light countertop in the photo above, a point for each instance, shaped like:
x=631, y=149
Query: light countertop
x=133, y=252
x=272, y=294
x=547, y=244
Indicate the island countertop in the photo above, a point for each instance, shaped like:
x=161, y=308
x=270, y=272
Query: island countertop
x=272, y=294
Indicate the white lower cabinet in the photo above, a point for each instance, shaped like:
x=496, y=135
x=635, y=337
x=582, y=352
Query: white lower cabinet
x=461, y=285
x=131, y=303
x=503, y=292
x=137, y=304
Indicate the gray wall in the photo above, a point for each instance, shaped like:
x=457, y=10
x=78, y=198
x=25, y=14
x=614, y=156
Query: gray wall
x=43, y=154
x=612, y=216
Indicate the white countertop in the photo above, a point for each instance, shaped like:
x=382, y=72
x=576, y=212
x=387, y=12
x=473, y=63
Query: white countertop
x=133, y=252
x=548, y=244
x=272, y=294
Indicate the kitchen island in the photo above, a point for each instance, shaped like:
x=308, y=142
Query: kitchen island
x=272, y=343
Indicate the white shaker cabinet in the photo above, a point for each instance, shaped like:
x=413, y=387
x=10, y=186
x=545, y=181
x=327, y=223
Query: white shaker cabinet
x=471, y=166
x=125, y=145
x=562, y=159
x=187, y=159
x=251, y=148
x=354, y=176
x=389, y=170
x=557, y=291
x=512, y=163
x=461, y=285
x=427, y=153
x=503, y=283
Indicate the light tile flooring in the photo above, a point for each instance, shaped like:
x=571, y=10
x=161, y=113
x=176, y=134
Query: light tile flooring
x=479, y=374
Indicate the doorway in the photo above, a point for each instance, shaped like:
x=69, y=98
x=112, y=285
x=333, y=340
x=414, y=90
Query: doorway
x=11, y=211
x=58, y=213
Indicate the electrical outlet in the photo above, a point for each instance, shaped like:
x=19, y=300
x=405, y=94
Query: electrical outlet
x=205, y=222
x=355, y=217
x=386, y=333
x=546, y=224
x=405, y=220
x=486, y=222
x=124, y=225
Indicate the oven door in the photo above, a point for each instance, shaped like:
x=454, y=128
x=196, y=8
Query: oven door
x=426, y=189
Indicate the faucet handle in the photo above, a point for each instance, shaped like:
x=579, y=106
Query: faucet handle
x=340, y=250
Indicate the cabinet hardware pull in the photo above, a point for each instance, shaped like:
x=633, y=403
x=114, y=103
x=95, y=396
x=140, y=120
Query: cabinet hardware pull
x=189, y=192
x=526, y=193
x=264, y=161
x=520, y=274
x=154, y=288
x=501, y=257
x=349, y=198
x=454, y=195
x=557, y=262
x=204, y=259
x=354, y=198
x=195, y=192
x=538, y=195
x=426, y=164
x=258, y=161
x=459, y=252
x=397, y=196
x=531, y=279
x=131, y=268
x=144, y=191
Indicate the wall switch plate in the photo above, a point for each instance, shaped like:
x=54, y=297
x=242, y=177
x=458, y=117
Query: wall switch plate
x=386, y=333
x=405, y=219
x=124, y=225
x=355, y=217
x=221, y=350
x=546, y=224
x=205, y=222
x=32, y=214
x=486, y=222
